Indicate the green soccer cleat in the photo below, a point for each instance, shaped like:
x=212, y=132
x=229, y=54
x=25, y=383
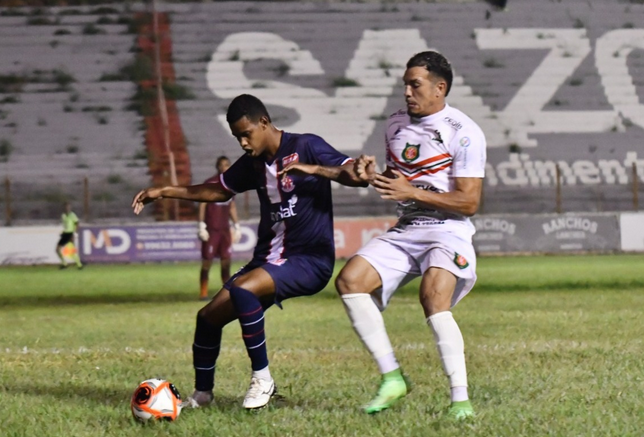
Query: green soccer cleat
x=460, y=410
x=393, y=387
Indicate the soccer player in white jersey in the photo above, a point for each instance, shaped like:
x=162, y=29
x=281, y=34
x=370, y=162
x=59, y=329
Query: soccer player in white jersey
x=435, y=168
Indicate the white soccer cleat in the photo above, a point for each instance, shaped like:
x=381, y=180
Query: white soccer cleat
x=259, y=393
x=198, y=399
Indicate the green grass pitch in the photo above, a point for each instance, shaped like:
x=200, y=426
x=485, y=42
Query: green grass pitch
x=554, y=348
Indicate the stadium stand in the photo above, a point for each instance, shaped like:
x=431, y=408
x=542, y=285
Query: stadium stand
x=553, y=84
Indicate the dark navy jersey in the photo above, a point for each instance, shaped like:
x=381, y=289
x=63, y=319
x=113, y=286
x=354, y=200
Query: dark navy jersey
x=296, y=211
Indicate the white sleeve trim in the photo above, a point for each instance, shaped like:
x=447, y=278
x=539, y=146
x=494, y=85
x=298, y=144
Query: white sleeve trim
x=223, y=183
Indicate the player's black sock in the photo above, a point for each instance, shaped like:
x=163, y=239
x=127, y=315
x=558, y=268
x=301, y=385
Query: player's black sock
x=251, y=318
x=205, y=351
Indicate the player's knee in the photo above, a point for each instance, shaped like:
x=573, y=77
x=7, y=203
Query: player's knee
x=434, y=301
x=347, y=283
x=203, y=313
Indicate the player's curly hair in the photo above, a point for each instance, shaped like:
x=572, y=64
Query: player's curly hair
x=246, y=105
x=436, y=64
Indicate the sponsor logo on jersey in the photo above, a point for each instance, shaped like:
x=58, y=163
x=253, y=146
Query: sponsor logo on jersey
x=438, y=138
x=285, y=212
x=294, y=157
x=460, y=261
x=411, y=152
x=465, y=142
x=455, y=124
x=287, y=184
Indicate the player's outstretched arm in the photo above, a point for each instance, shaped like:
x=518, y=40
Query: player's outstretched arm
x=464, y=199
x=197, y=193
x=343, y=174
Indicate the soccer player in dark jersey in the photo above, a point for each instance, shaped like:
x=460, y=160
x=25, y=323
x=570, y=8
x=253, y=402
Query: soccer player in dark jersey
x=214, y=232
x=295, y=252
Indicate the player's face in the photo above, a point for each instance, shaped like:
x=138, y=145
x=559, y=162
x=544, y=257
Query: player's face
x=424, y=92
x=251, y=135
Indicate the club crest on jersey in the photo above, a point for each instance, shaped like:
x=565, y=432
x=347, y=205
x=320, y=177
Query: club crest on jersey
x=287, y=184
x=411, y=152
x=460, y=261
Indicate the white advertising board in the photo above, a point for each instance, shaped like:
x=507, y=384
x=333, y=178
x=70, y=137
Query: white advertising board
x=29, y=245
x=632, y=229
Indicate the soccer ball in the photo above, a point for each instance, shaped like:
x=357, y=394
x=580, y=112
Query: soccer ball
x=155, y=399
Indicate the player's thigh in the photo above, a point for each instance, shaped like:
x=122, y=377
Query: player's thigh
x=219, y=311
x=257, y=280
x=224, y=247
x=436, y=290
x=357, y=276
x=300, y=275
x=208, y=249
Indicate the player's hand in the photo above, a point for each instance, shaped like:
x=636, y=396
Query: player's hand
x=298, y=168
x=144, y=197
x=203, y=232
x=365, y=168
x=235, y=233
x=397, y=188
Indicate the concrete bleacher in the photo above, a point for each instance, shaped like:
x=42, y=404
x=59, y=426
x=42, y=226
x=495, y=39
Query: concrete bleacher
x=61, y=134
x=288, y=54
x=585, y=106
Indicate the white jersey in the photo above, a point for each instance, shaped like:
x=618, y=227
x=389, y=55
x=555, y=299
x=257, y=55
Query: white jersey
x=430, y=152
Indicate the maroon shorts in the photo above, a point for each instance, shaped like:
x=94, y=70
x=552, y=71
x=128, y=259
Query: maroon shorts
x=218, y=245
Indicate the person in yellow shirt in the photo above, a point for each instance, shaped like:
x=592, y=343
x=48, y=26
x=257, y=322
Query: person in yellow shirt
x=70, y=227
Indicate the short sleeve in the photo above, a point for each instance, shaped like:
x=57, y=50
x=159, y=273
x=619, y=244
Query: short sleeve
x=469, y=154
x=73, y=217
x=388, y=135
x=324, y=154
x=240, y=176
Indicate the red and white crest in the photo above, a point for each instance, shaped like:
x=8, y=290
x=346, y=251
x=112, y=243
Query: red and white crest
x=287, y=184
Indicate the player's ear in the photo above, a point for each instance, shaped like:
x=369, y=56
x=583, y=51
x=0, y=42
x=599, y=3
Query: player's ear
x=441, y=88
x=264, y=122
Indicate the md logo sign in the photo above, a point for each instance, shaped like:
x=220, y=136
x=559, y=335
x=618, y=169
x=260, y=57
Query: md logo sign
x=101, y=241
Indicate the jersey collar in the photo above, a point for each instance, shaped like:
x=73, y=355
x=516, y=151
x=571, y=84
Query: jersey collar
x=431, y=118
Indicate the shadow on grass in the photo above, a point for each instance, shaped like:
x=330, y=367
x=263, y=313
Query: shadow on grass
x=327, y=294
x=68, y=392
x=100, y=395
x=97, y=299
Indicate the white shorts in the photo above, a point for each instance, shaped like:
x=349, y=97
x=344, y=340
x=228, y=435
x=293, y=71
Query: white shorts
x=401, y=255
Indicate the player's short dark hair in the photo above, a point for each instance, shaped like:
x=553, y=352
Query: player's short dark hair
x=248, y=106
x=221, y=158
x=436, y=64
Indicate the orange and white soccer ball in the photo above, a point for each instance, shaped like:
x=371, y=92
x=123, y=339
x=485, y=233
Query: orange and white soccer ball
x=155, y=399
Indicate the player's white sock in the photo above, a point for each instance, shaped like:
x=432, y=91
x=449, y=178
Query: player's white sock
x=451, y=349
x=368, y=323
x=264, y=374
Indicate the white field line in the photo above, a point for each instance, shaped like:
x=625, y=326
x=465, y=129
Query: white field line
x=527, y=346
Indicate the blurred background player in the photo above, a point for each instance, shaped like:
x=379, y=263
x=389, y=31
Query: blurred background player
x=70, y=227
x=295, y=251
x=435, y=167
x=215, y=232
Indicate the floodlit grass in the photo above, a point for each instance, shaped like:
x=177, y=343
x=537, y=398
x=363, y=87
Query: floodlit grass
x=554, y=348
